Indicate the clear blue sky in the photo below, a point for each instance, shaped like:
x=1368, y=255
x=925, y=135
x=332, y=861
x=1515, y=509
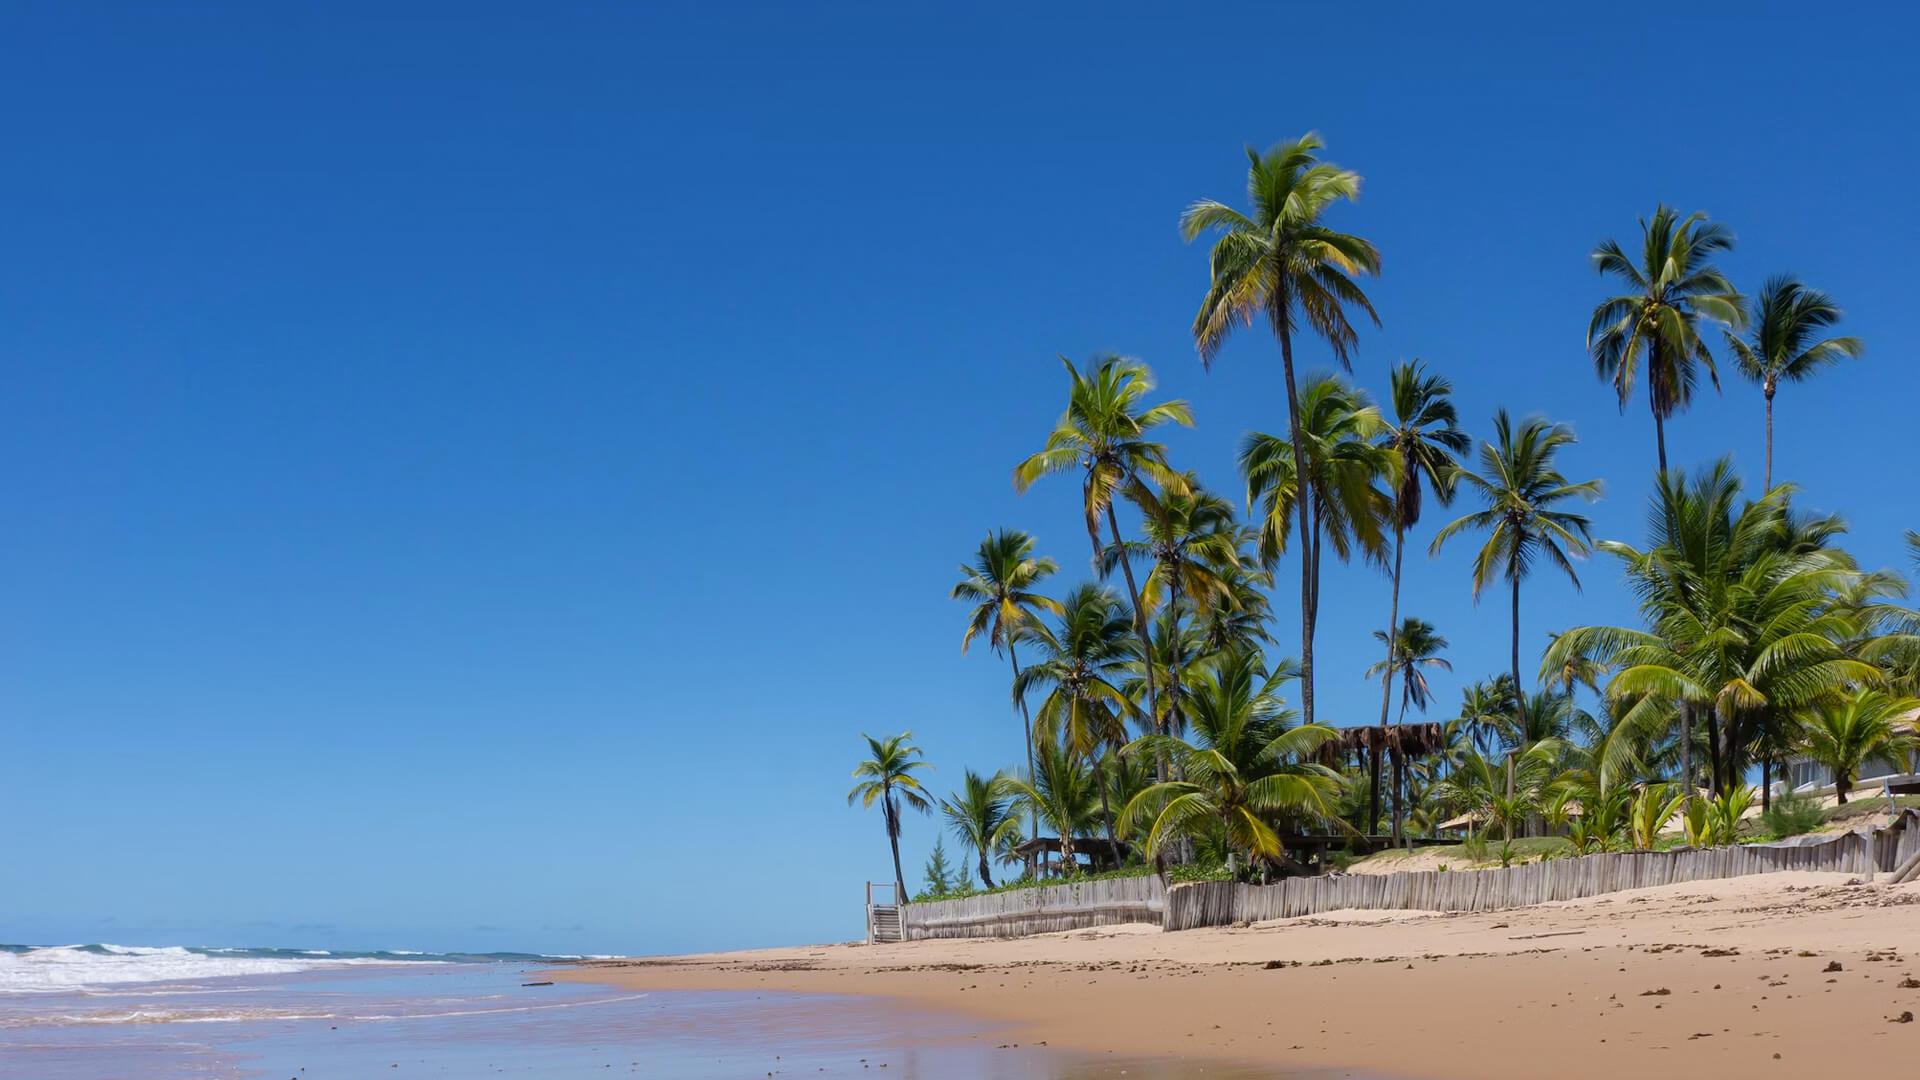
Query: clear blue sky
x=473, y=473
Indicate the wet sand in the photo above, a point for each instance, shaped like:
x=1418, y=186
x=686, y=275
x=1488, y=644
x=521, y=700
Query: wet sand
x=1753, y=976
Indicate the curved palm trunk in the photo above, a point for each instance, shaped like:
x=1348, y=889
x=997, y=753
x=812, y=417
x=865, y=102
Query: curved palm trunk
x=1282, y=302
x=892, y=816
x=1146, y=642
x=1026, y=719
x=986, y=877
x=1386, y=680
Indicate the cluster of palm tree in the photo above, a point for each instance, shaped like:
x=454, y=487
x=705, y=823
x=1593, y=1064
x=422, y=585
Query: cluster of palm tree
x=1152, y=718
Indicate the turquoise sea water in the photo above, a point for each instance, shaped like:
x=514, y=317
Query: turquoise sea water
x=100, y=1011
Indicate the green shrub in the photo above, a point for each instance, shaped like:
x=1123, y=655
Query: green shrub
x=1791, y=815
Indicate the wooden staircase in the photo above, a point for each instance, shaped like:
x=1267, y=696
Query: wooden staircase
x=883, y=919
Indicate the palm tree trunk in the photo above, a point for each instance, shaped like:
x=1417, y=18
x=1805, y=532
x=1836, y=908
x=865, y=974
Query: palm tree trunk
x=1106, y=810
x=1146, y=642
x=1769, y=475
x=1282, y=303
x=1026, y=719
x=986, y=878
x=892, y=816
x=1519, y=691
x=1686, y=745
x=1387, y=679
x=1176, y=661
x=1660, y=439
x=1373, y=789
x=1766, y=782
x=1656, y=399
x=1713, y=750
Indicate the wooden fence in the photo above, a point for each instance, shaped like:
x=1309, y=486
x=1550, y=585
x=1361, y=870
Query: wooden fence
x=1220, y=903
x=1042, y=910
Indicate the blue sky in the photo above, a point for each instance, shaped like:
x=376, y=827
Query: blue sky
x=474, y=472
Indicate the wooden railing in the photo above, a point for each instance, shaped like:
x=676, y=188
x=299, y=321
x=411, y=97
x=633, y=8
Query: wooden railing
x=1041, y=910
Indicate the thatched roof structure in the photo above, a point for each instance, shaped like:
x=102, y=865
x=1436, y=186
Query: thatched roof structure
x=1409, y=740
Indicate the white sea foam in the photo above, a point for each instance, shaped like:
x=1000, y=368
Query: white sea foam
x=69, y=967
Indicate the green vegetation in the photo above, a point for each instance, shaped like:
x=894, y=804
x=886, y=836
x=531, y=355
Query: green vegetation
x=1154, y=729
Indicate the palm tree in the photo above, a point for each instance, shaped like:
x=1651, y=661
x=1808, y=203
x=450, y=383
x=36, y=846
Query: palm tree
x=1281, y=261
x=1000, y=583
x=981, y=816
x=1482, y=706
x=887, y=777
x=1846, y=732
x=1426, y=439
x=1344, y=469
x=1741, y=626
x=1190, y=534
x=1520, y=484
x=1245, y=768
x=1675, y=287
x=1786, y=345
x=1085, y=709
x=1102, y=432
x=1412, y=648
x=1416, y=646
x=1063, y=793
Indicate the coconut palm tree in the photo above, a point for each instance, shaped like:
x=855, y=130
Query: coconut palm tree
x=1103, y=434
x=1345, y=469
x=981, y=816
x=1244, y=769
x=1000, y=584
x=1785, y=343
x=1521, y=485
x=1241, y=622
x=1189, y=534
x=1281, y=261
x=1741, y=627
x=1674, y=289
x=1426, y=439
x=887, y=777
x=1842, y=733
x=1085, y=708
x=1414, y=648
x=1063, y=793
x=1482, y=706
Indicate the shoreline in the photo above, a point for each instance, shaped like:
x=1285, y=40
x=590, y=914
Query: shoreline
x=1716, y=978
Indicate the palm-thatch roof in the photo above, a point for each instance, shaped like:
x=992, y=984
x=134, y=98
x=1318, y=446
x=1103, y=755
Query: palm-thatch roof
x=1410, y=740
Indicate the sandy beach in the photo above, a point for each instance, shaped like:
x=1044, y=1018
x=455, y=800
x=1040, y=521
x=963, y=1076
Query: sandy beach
x=1751, y=976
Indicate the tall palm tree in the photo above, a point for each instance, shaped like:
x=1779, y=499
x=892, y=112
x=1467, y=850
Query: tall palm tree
x=1785, y=343
x=1846, y=732
x=1085, y=708
x=1674, y=288
x=887, y=777
x=1426, y=440
x=1280, y=260
x=1103, y=433
x=1245, y=769
x=1000, y=584
x=1521, y=486
x=981, y=816
x=1344, y=470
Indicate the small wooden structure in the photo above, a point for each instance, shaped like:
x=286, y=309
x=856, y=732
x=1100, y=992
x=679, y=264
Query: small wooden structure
x=883, y=919
x=1397, y=742
x=1102, y=855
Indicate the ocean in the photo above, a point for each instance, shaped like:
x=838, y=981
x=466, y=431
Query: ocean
x=95, y=1012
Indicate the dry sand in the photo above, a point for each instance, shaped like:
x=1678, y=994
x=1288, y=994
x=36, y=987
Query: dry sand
x=1760, y=976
